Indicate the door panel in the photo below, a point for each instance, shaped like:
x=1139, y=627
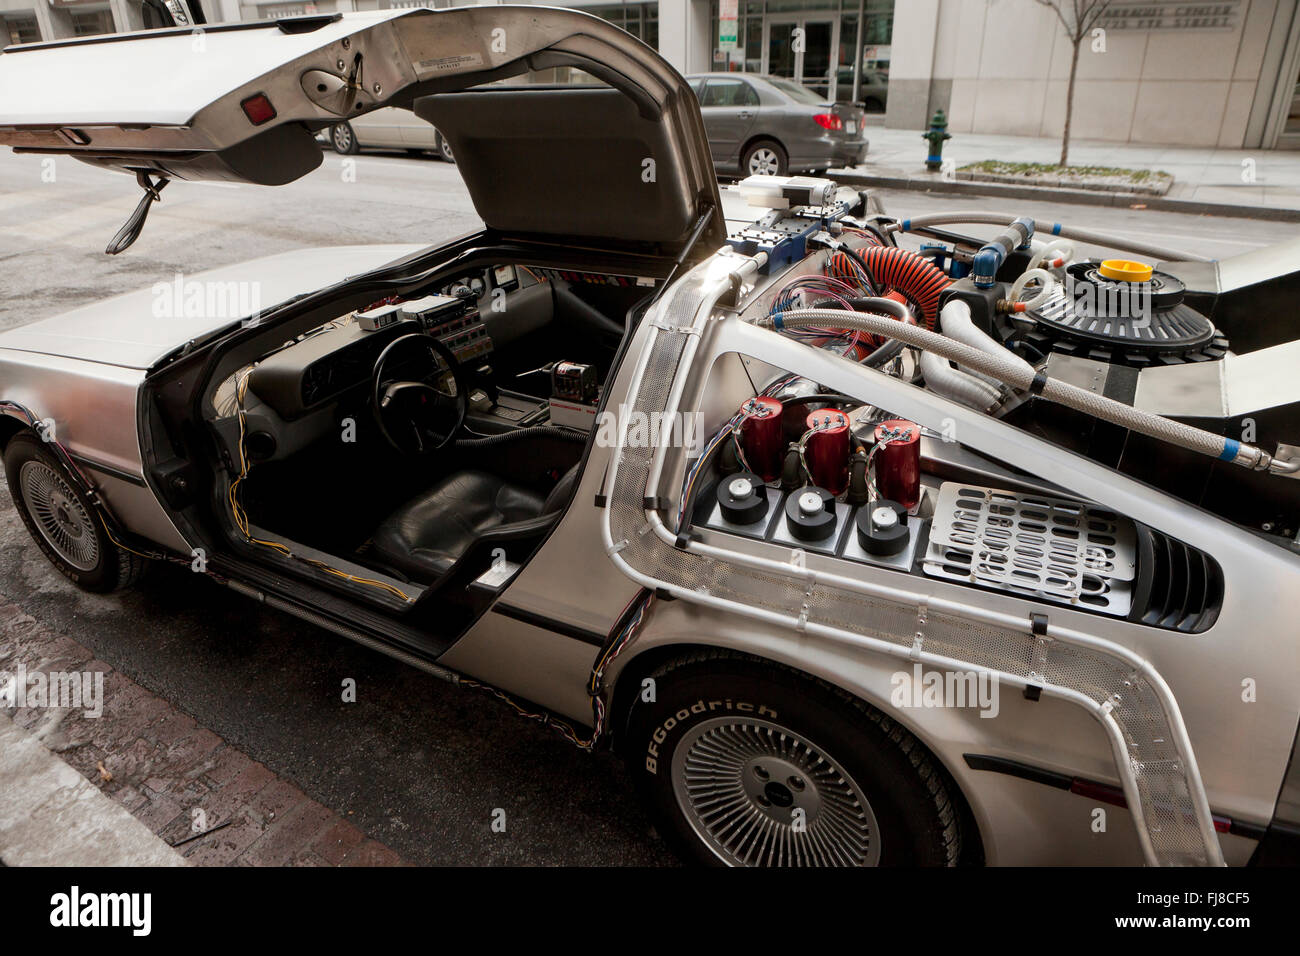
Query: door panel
x=802, y=49
x=381, y=128
x=140, y=103
x=730, y=107
x=418, y=133
x=780, y=50
x=816, y=73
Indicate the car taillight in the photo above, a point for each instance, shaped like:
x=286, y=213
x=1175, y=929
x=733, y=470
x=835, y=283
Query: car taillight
x=828, y=121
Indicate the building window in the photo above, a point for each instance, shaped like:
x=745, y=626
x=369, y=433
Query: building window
x=19, y=29
x=89, y=23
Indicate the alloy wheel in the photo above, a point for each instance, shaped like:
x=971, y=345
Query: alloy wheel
x=60, y=517
x=758, y=794
x=764, y=162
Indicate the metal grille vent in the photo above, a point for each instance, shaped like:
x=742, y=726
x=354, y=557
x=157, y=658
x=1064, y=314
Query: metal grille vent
x=1048, y=548
x=1179, y=588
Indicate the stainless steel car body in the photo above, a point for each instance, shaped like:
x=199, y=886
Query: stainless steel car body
x=741, y=109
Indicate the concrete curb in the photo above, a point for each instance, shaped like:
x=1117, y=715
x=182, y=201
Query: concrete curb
x=1083, y=197
x=50, y=815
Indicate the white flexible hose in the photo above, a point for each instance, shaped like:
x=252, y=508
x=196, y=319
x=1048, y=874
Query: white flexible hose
x=1047, y=228
x=1012, y=370
x=1043, y=294
x=1052, y=251
x=942, y=378
x=955, y=321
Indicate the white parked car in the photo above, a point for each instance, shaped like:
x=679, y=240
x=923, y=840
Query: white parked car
x=388, y=128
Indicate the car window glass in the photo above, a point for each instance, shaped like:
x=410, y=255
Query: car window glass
x=729, y=93
x=796, y=92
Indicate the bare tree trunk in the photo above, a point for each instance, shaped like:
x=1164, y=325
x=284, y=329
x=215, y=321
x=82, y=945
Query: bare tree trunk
x=1069, y=104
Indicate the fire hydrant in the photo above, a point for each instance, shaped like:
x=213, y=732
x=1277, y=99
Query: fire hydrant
x=938, y=133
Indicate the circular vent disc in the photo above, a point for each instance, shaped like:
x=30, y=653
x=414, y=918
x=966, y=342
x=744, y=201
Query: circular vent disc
x=1133, y=317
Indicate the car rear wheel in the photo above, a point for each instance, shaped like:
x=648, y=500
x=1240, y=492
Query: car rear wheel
x=444, y=149
x=746, y=763
x=344, y=139
x=63, y=521
x=765, y=158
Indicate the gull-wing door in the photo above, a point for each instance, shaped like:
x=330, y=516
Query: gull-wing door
x=242, y=101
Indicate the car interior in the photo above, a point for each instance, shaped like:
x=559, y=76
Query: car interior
x=424, y=437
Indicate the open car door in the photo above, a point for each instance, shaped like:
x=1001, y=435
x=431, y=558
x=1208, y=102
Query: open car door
x=241, y=102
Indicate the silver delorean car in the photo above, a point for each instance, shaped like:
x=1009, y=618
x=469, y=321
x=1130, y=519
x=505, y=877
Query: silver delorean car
x=960, y=539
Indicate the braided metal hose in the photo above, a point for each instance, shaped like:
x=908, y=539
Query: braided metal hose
x=1011, y=370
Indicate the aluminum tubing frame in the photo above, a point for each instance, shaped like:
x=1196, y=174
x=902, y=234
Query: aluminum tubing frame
x=710, y=288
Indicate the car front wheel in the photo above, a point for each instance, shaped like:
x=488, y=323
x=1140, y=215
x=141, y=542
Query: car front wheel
x=745, y=763
x=765, y=158
x=344, y=139
x=63, y=521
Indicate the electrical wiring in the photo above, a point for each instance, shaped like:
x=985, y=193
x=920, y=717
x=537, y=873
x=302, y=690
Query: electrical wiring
x=626, y=626
x=240, y=516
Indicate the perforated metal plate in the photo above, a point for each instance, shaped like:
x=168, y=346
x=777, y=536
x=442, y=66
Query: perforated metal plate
x=1048, y=548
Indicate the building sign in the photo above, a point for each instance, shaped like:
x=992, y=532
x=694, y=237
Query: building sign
x=414, y=4
x=1202, y=15
x=728, y=22
x=283, y=11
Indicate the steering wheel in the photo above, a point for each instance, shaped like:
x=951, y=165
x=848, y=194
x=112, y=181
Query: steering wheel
x=415, y=417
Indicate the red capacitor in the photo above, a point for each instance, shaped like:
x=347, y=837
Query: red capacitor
x=827, y=449
x=760, y=437
x=898, y=463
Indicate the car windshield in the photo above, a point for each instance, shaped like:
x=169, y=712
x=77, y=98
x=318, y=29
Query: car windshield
x=799, y=94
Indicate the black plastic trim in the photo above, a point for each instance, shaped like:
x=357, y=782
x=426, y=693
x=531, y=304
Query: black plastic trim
x=110, y=471
x=549, y=623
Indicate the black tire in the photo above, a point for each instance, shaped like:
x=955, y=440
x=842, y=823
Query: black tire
x=702, y=697
x=768, y=149
x=104, y=566
x=873, y=105
x=443, y=148
x=344, y=139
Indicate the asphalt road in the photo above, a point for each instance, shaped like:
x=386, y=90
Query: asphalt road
x=415, y=763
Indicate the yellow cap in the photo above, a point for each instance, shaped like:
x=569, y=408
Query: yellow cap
x=1125, y=270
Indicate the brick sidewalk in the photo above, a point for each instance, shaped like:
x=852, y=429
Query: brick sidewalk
x=163, y=767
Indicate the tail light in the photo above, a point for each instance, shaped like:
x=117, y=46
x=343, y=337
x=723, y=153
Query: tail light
x=828, y=121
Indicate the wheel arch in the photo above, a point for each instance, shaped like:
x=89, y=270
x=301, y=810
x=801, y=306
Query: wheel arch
x=628, y=681
x=10, y=425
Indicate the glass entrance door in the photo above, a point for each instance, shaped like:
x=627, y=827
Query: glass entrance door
x=802, y=48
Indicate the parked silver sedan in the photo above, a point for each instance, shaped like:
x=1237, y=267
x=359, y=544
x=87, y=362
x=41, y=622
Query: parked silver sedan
x=765, y=125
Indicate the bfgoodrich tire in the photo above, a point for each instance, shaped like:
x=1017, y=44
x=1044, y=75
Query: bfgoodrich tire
x=747, y=763
x=63, y=522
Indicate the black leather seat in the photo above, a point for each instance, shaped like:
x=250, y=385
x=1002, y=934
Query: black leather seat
x=425, y=537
